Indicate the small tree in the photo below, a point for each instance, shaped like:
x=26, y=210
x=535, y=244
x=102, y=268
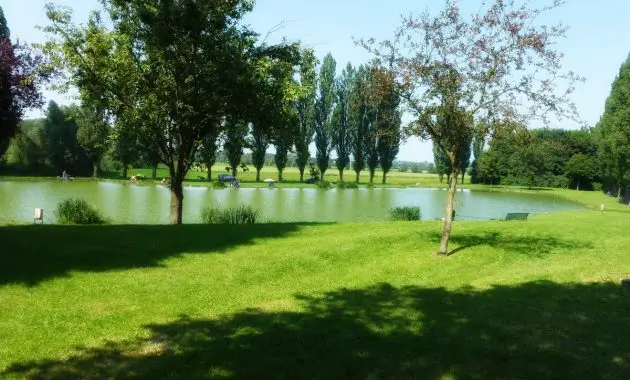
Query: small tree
x=455, y=72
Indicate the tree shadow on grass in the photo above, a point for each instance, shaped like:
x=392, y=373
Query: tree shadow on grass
x=534, y=246
x=536, y=330
x=31, y=254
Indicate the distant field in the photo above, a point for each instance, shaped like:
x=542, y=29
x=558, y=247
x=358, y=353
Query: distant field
x=292, y=176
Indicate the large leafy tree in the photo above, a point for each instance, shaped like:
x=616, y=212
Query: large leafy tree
x=19, y=81
x=324, y=107
x=305, y=107
x=454, y=72
x=342, y=133
x=183, y=65
x=613, y=131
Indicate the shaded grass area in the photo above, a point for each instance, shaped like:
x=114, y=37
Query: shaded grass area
x=535, y=299
x=533, y=330
x=32, y=254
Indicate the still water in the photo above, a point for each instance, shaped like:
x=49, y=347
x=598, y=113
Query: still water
x=125, y=203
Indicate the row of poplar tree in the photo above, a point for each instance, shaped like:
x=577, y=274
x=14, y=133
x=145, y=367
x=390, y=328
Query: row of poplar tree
x=344, y=116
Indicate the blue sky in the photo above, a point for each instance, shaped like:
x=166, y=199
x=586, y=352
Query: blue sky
x=597, y=43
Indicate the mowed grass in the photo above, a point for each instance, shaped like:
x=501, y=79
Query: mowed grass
x=535, y=299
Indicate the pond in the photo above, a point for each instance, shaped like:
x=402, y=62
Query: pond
x=125, y=203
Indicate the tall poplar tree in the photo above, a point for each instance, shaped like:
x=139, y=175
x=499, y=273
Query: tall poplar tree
x=324, y=106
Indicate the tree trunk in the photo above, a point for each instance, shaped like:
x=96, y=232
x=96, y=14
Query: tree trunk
x=441, y=176
x=209, y=166
x=384, y=177
x=177, y=200
x=372, y=175
x=234, y=169
x=578, y=185
x=257, y=174
x=448, y=217
x=301, y=174
x=358, y=176
x=154, y=172
x=280, y=175
x=124, y=173
x=321, y=173
x=341, y=174
x=619, y=192
x=95, y=171
x=463, y=175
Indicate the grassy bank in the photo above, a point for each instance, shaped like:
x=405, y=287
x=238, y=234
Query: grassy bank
x=535, y=299
x=291, y=177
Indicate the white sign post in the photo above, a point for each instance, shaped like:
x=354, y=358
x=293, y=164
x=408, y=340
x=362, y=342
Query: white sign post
x=39, y=215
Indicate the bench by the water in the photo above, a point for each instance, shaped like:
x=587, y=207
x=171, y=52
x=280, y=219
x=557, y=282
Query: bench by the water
x=517, y=216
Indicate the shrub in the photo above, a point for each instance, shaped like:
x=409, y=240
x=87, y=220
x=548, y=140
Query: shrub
x=78, y=211
x=597, y=186
x=242, y=214
x=347, y=185
x=219, y=185
x=405, y=213
x=324, y=184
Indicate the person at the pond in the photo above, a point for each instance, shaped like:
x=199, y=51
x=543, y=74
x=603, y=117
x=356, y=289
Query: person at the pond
x=64, y=175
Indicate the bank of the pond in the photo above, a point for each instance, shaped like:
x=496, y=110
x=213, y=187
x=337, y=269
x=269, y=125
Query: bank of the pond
x=533, y=299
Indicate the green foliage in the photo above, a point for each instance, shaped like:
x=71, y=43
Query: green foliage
x=581, y=168
x=613, y=133
x=324, y=106
x=305, y=107
x=347, y=185
x=342, y=128
x=259, y=142
x=359, y=108
x=443, y=164
x=235, y=142
x=78, y=211
x=405, y=213
x=324, y=184
x=540, y=158
x=243, y=214
x=93, y=135
x=219, y=184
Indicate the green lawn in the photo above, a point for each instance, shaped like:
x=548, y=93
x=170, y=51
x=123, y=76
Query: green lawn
x=527, y=300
